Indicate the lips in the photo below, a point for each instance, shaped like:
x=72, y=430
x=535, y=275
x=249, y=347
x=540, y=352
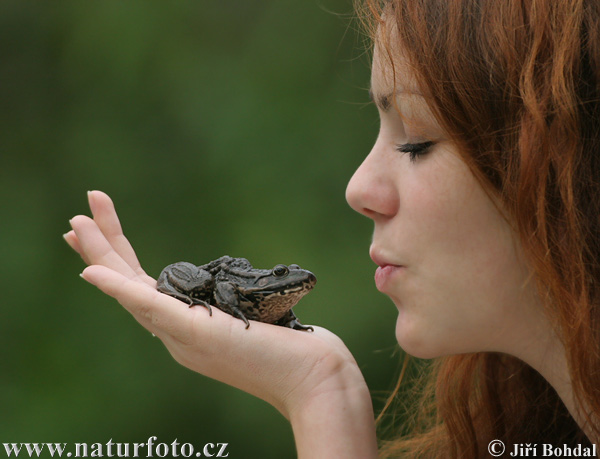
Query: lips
x=386, y=270
x=384, y=275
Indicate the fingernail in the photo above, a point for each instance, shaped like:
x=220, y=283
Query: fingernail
x=81, y=275
x=65, y=235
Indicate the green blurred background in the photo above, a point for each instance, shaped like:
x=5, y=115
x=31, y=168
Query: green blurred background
x=217, y=127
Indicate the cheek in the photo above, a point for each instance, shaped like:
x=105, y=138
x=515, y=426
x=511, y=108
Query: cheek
x=462, y=309
x=467, y=276
x=449, y=212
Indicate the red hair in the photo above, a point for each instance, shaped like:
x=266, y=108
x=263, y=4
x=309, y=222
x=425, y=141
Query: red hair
x=516, y=84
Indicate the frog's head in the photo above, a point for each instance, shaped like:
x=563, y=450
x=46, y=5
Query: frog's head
x=280, y=287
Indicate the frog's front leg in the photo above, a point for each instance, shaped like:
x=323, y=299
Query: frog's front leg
x=290, y=320
x=227, y=300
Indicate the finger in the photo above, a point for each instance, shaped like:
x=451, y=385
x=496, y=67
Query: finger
x=158, y=313
x=107, y=220
x=95, y=249
x=71, y=238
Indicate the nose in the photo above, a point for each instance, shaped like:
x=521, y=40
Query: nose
x=372, y=189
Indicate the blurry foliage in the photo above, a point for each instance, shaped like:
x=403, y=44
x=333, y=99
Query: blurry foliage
x=217, y=127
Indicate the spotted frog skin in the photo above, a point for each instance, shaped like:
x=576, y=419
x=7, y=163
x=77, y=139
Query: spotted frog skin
x=235, y=287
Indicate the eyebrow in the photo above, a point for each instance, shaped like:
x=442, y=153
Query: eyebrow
x=384, y=101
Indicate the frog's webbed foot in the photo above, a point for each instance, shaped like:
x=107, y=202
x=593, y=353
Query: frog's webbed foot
x=291, y=321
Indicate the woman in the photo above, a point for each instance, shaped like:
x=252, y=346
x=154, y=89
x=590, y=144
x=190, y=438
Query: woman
x=483, y=186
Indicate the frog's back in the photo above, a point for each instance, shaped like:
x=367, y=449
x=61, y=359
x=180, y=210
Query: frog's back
x=230, y=262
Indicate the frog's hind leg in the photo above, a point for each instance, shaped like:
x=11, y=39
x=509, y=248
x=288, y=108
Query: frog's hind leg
x=167, y=289
x=290, y=320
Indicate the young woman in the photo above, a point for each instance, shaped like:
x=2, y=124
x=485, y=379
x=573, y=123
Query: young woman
x=484, y=190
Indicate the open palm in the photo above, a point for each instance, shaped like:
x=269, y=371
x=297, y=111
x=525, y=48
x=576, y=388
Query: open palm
x=285, y=367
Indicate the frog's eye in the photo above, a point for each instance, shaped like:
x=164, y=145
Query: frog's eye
x=280, y=271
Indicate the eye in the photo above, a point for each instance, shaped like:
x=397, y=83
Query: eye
x=280, y=271
x=415, y=150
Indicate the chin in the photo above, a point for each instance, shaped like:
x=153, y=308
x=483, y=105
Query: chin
x=418, y=344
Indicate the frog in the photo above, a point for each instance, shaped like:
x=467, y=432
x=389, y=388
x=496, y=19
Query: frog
x=234, y=286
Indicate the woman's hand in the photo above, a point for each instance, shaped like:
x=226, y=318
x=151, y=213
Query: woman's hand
x=310, y=377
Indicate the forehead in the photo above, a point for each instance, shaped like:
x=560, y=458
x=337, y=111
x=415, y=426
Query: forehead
x=389, y=58
x=391, y=73
x=394, y=87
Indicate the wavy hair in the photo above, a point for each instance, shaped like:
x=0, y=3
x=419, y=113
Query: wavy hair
x=516, y=84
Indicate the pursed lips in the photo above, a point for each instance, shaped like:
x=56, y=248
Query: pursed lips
x=385, y=270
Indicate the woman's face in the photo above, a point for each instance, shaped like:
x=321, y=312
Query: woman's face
x=446, y=257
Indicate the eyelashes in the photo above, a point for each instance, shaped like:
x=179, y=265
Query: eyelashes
x=415, y=150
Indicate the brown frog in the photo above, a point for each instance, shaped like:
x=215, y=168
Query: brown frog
x=234, y=286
